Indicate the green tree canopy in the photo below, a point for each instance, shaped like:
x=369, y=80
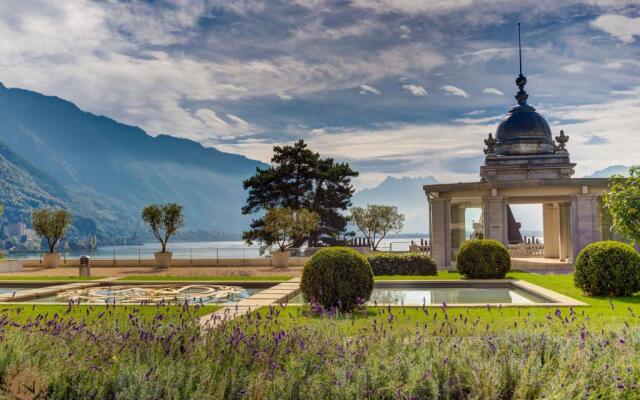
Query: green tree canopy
x=164, y=221
x=299, y=178
x=51, y=224
x=376, y=221
x=287, y=225
x=623, y=202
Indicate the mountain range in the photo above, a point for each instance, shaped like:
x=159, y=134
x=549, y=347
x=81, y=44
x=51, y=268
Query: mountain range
x=54, y=153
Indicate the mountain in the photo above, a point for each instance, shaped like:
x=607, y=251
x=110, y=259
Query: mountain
x=104, y=168
x=24, y=187
x=612, y=170
x=406, y=193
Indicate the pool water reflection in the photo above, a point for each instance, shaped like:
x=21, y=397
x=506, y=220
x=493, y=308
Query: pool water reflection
x=438, y=293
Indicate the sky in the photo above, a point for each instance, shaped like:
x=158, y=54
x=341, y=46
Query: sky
x=396, y=88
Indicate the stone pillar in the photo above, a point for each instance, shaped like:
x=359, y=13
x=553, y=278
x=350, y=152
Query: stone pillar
x=494, y=218
x=584, y=221
x=566, y=250
x=457, y=227
x=551, y=230
x=441, y=231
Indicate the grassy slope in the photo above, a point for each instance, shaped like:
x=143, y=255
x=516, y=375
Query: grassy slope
x=602, y=312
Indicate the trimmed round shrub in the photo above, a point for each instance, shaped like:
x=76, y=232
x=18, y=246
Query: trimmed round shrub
x=402, y=264
x=608, y=268
x=483, y=259
x=337, y=277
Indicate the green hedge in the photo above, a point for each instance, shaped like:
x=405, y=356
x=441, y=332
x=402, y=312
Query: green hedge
x=608, y=268
x=337, y=277
x=483, y=259
x=402, y=264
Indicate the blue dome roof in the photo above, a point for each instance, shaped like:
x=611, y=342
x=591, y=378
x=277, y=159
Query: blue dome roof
x=523, y=130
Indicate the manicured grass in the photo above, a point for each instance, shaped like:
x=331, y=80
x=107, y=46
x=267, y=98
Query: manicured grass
x=602, y=312
x=91, y=313
x=47, y=278
x=221, y=278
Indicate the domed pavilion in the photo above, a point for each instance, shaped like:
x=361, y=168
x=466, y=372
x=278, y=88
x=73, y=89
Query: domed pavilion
x=524, y=164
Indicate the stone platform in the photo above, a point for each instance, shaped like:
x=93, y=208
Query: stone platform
x=544, y=265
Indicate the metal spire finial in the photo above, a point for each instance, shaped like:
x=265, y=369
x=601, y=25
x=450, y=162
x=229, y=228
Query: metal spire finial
x=521, y=80
x=519, y=48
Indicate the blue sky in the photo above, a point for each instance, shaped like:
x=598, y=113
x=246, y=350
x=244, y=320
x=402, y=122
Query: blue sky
x=400, y=88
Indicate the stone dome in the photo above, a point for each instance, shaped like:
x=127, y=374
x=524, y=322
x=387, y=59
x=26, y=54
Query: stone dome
x=523, y=131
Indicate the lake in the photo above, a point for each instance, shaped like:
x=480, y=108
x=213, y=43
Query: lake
x=194, y=250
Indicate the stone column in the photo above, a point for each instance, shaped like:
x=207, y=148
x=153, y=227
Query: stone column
x=566, y=251
x=551, y=230
x=457, y=227
x=584, y=221
x=441, y=231
x=494, y=218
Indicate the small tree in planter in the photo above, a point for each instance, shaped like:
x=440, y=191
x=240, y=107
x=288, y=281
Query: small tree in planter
x=286, y=226
x=164, y=221
x=52, y=225
x=376, y=221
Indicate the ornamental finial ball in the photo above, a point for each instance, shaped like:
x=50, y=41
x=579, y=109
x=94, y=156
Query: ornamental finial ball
x=521, y=80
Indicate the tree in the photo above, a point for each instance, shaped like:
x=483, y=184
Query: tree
x=376, y=221
x=299, y=179
x=164, y=221
x=623, y=202
x=51, y=224
x=286, y=225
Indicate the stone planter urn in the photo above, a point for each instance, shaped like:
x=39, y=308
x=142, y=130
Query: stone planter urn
x=163, y=259
x=280, y=259
x=51, y=260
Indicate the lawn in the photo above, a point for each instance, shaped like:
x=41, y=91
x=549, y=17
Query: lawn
x=156, y=352
x=602, y=312
x=19, y=313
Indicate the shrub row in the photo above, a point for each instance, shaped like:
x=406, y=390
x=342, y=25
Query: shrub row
x=402, y=264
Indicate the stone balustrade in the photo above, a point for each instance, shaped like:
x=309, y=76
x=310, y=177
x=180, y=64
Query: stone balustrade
x=522, y=250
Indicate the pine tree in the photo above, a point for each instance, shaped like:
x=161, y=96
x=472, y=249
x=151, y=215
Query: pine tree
x=299, y=179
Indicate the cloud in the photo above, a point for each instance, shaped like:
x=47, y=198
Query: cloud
x=453, y=91
x=238, y=121
x=415, y=90
x=493, y=91
x=364, y=89
x=244, y=75
x=596, y=140
x=619, y=26
x=574, y=68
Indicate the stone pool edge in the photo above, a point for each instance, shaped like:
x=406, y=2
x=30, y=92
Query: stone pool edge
x=557, y=299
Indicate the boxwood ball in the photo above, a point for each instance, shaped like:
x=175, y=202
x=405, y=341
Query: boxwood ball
x=337, y=277
x=608, y=268
x=483, y=259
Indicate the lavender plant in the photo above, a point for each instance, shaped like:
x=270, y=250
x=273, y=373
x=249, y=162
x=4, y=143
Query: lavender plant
x=276, y=353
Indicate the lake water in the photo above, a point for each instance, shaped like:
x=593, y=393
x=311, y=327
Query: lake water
x=194, y=250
